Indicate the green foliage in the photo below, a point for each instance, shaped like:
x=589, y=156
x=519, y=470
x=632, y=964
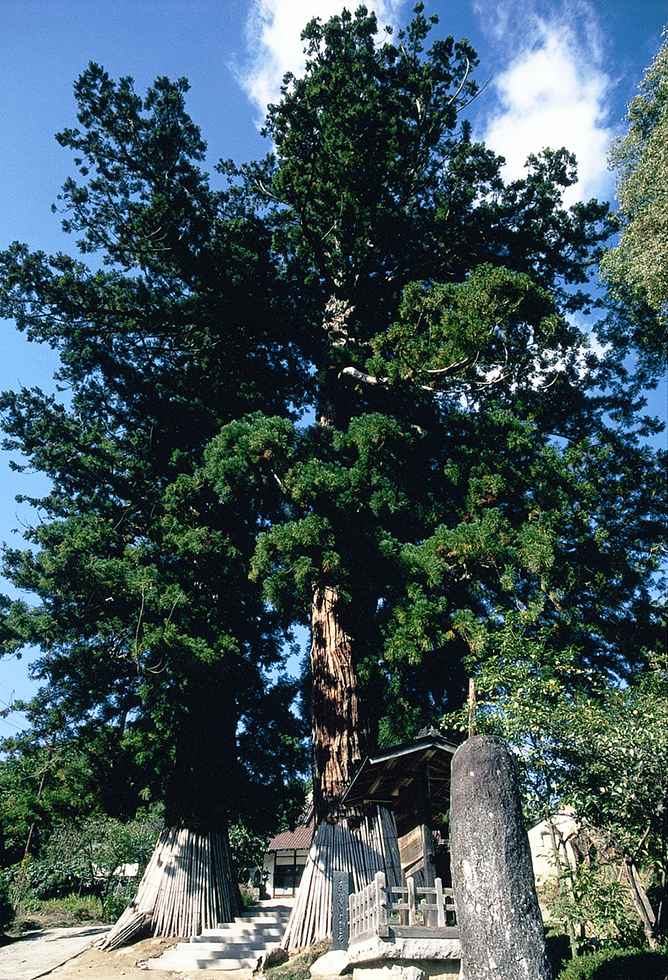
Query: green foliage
x=7, y=909
x=593, y=896
x=495, y=321
x=478, y=457
x=619, y=755
x=248, y=851
x=43, y=785
x=477, y=495
x=636, y=270
x=616, y=964
x=96, y=850
x=143, y=610
x=358, y=139
x=52, y=913
x=89, y=857
x=589, y=744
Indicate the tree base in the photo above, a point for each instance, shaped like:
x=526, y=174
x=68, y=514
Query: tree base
x=359, y=846
x=188, y=886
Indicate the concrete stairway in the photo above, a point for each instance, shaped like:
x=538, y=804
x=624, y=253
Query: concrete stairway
x=234, y=945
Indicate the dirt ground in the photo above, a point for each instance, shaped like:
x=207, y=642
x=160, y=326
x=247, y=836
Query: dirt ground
x=129, y=963
x=38, y=956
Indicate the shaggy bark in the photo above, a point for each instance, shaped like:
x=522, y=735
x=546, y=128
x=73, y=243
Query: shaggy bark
x=338, y=726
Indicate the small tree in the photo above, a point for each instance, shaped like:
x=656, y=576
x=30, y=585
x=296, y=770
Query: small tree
x=618, y=757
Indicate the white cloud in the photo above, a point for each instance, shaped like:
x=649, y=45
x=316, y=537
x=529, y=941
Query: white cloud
x=274, y=45
x=553, y=93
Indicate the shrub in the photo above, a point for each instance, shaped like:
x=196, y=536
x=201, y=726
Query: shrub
x=247, y=850
x=617, y=964
x=593, y=896
x=85, y=856
x=82, y=908
x=7, y=910
x=56, y=913
x=113, y=907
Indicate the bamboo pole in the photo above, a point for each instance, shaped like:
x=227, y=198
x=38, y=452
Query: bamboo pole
x=362, y=851
x=185, y=888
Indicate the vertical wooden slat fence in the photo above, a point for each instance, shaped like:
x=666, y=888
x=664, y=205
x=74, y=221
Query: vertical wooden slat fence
x=373, y=911
x=367, y=910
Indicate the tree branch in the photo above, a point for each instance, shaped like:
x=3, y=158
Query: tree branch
x=368, y=379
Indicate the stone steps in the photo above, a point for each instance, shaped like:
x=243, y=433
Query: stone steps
x=234, y=945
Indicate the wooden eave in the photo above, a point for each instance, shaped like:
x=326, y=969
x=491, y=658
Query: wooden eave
x=384, y=776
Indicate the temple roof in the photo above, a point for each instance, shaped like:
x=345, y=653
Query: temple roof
x=292, y=840
x=384, y=775
x=298, y=838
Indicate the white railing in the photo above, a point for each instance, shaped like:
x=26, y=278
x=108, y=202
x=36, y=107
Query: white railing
x=375, y=910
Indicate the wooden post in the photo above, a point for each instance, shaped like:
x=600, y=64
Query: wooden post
x=440, y=910
x=381, y=903
x=410, y=897
x=428, y=855
x=472, y=708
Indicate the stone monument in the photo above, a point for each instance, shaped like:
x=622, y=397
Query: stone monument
x=500, y=925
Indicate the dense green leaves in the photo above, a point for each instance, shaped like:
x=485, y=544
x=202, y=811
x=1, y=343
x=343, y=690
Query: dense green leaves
x=599, y=750
x=140, y=576
x=477, y=456
x=636, y=270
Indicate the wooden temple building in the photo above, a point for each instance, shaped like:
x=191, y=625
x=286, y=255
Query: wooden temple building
x=286, y=855
x=412, y=780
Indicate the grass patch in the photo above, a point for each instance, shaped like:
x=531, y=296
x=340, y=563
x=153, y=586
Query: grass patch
x=297, y=967
x=56, y=913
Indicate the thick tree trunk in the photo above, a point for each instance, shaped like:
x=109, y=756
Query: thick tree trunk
x=360, y=843
x=188, y=886
x=189, y=883
x=338, y=727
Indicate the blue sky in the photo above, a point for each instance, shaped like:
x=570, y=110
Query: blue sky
x=561, y=73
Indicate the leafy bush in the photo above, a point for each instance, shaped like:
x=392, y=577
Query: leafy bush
x=617, y=964
x=593, y=896
x=7, y=910
x=247, y=850
x=88, y=856
x=113, y=906
x=82, y=908
x=56, y=913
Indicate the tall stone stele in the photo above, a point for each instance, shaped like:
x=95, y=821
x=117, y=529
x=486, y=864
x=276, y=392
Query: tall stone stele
x=500, y=924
